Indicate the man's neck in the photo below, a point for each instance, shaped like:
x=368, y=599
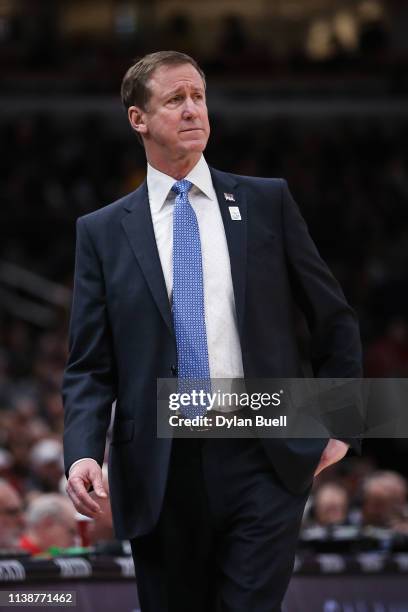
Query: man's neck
x=178, y=169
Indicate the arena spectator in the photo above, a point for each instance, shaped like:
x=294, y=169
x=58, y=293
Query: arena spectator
x=384, y=500
x=46, y=466
x=50, y=520
x=11, y=516
x=330, y=505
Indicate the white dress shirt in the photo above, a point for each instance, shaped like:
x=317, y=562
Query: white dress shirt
x=224, y=350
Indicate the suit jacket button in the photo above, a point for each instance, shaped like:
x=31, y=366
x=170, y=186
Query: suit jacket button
x=173, y=369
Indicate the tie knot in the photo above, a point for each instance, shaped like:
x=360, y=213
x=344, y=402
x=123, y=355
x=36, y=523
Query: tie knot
x=182, y=187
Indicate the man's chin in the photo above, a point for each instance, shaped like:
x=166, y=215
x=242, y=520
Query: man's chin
x=193, y=135
x=196, y=145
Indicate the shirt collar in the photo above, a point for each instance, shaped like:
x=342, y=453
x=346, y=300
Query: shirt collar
x=160, y=184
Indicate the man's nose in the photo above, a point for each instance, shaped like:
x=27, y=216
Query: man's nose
x=189, y=109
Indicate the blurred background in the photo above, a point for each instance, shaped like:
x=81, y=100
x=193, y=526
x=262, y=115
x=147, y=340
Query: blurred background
x=314, y=91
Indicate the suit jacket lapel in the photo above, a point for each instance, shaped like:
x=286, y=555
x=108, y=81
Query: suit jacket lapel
x=138, y=226
x=236, y=233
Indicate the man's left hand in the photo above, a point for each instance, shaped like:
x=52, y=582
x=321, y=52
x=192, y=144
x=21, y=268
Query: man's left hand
x=334, y=451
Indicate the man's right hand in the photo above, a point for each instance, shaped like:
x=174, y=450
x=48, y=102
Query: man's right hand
x=82, y=476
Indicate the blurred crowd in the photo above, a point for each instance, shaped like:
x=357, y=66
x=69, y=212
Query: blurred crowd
x=365, y=39
x=358, y=494
x=36, y=516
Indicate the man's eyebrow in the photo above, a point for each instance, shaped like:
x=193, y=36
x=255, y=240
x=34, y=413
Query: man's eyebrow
x=180, y=89
x=173, y=91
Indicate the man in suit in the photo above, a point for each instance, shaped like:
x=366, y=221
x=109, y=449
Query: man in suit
x=213, y=523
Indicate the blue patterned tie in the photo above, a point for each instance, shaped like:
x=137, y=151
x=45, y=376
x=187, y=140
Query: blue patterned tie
x=188, y=300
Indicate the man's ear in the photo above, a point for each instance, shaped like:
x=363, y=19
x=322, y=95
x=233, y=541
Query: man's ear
x=137, y=120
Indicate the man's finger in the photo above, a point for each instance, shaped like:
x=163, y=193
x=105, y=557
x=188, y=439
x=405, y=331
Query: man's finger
x=77, y=487
x=98, y=486
x=83, y=505
x=79, y=507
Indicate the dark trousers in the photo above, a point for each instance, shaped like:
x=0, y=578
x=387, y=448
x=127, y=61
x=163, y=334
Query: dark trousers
x=227, y=533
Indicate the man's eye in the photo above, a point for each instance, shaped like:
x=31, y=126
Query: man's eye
x=175, y=99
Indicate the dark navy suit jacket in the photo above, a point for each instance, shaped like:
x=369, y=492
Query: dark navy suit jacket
x=122, y=337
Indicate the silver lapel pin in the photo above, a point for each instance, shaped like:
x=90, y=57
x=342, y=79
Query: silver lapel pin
x=234, y=212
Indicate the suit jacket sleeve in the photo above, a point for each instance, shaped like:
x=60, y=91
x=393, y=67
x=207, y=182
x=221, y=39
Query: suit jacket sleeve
x=335, y=339
x=89, y=385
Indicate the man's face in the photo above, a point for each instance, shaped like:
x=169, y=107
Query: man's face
x=57, y=531
x=175, y=122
